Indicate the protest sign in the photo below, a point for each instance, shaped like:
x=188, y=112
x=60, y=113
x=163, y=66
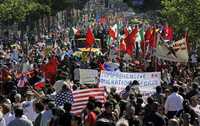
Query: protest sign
x=86, y=76
x=176, y=52
x=147, y=81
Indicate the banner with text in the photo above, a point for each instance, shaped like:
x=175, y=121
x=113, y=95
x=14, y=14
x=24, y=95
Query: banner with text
x=86, y=76
x=148, y=80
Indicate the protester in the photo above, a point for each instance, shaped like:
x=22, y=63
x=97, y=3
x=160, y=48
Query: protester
x=47, y=115
x=19, y=121
x=8, y=117
x=174, y=104
x=45, y=79
x=68, y=117
x=28, y=106
x=39, y=110
x=91, y=116
x=155, y=117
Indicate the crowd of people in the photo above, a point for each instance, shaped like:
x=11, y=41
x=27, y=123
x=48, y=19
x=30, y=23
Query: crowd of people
x=24, y=102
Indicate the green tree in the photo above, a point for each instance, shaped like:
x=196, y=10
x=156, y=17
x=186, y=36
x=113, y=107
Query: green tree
x=13, y=11
x=182, y=15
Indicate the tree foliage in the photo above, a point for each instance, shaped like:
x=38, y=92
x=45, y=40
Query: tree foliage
x=13, y=11
x=182, y=15
x=19, y=10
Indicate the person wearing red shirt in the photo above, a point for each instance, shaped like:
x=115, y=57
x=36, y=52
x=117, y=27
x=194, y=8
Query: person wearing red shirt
x=91, y=116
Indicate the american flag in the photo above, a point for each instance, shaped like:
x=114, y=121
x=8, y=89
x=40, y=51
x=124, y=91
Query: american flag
x=63, y=96
x=22, y=82
x=81, y=98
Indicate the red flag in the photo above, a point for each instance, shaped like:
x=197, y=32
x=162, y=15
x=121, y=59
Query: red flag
x=126, y=31
x=51, y=67
x=103, y=20
x=39, y=85
x=112, y=32
x=153, y=39
x=168, y=33
x=148, y=34
x=122, y=46
x=130, y=41
x=90, y=39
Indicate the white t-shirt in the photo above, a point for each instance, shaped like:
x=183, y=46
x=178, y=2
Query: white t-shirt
x=29, y=111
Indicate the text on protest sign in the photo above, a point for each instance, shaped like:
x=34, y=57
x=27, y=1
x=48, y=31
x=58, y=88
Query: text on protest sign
x=86, y=76
x=148, y=80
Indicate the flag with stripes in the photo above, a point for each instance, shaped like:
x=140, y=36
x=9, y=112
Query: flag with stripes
x=22, y=82
x=81, y=98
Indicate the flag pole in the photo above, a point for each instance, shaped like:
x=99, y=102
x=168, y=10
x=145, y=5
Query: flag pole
x=90, y=52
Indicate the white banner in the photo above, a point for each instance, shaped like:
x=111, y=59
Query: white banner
x=147, y=81
x=86, y=76
x=176, y=52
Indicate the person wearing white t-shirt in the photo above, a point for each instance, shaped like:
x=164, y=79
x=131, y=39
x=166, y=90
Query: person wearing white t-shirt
x=28, y=106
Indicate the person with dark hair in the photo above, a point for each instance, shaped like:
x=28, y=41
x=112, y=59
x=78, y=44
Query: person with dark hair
x=39, y=110
x=58, y=113
x=108, y=113
x=91, y=116
x=139, y=109
x=148, y=109
x=47, y=115
x=68, y=116
x=174, y=104
x=155, y=117
x=194, y=91
x=7, y=114
x=158, y=96
x=19, y=121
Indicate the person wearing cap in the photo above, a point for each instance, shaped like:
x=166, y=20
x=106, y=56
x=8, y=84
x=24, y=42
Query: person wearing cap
x=19, y=121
